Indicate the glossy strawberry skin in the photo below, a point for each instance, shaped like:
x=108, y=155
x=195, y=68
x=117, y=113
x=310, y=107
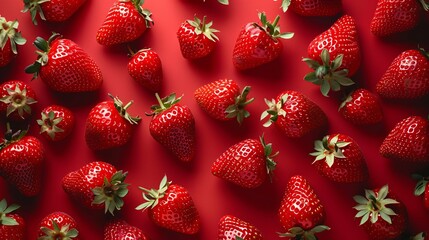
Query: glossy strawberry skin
x=6, y=54
x=193, y=45
x=67, y=123
x=316, y=7
x=340, y=38
x=16, y=232
x=12, y=84
x=60, y=218
x=231, y=227
x=121, y=230
x=59, y=11
x=364, y=108
x=407, y=77
x=145, y=67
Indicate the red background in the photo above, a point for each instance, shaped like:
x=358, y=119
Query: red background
x=147, y=161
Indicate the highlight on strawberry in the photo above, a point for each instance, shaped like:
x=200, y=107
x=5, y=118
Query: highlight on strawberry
x=10, y=37
x=16, y=99
x=422, y=188
x=233, y=228
x=314, y=8
x=12, y=225
x=56, y=122
x=58, y=226
x=120, y=229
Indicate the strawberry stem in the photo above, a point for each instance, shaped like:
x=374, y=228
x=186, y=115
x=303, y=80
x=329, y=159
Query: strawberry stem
x=161, y=104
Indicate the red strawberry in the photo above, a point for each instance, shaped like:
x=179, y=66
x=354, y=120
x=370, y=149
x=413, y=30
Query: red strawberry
x=343, y=159
x=387, y=216
x=247, y=163
x=407, y=77
x=317, y=8
x=233, y=228
x=125, y=22
x=97, y=185
x=294, y=114
x=16, y=98
x=408, y=141
x=58, y=226
x=51, y=10
x=109, y=125
x=64, y=66
x=301, y=211
x=9, y=38
x=57, y=122
x=361, y=107
x=173, y=126
x=223, y=100
x=171, y=207
x=145, y=68
x=21, y=162
x=121, y=230
x=196, y=38
x=12, y=226
x=258, y=44
x=422, y=188
x=341, y=44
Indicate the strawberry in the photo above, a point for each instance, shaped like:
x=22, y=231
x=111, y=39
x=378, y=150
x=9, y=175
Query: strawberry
x=343, y=159
x=233, y=228
x=294, y=114
x=51, y=10
x=407, y=77
x=16, y=98
x=21, y=162
x=247, y=163
x=145, y=68
x=408, y=141
x=97, y=185
x=10, y=37
x=361, y=107
x=223, y=100
x=171, y=207
x=109, y=125
x=196, y=38
x=314, y=8
x=56, y=123
x=258, y=44
x=125, y=22
x=12, y=226
x=422, y=188
x=64, y=66
x=387, y=216
x=58, y=226
x=341, y=44
x=301, y=211
x=173, y=126
x=121, y=230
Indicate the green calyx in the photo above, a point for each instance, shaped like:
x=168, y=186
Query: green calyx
x=119, y=105
x=152, y=196
x=373, y=206
x=238, y=238
x=423, y=52
x=11, y=137
x=420, y=236
x=34, y=6
x=329, y=150
x=300, y=234
x=49, y=124
x=163, y=104
x=272, y=28
x=111, y=192
x=425, y=5
x=145, y=13
x=348, y=99
x=285, y=5
x=201, y=27
x=57, y=233
x=17, y=101
x=224, y=2
x=4, y=210
x=237, y=110
x=275, y=109
x=9, y=30
x=422, y=183
x=327, y=76
x=269, y=157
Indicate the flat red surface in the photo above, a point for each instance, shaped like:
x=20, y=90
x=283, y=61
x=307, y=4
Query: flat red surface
x=147, y=161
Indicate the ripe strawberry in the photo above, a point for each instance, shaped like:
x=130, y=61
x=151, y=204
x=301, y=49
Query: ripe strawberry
x=361, y=107
x=301, y=211
x=51, y=10
x=64, y=66
x=12, y=226
x=407, y=77
x=233, y=228
x=121, y=230
x=109, y=125
x=15, y=99
x=171, y=207
x=343, y=159
x=222, y=100
x=173, y=126
x=57, y=122
x=294, y=114
x=341, y=44
x=408, y=141
x=247, y=163
x=258, y=44
x=10, y=37
x=422, y=188
x=315, y=8
x=386, y=222
x=58, y=226
x=97, y=185
x=21, y=161
x=145, y=68
x=125, y=22
x=196, y=38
